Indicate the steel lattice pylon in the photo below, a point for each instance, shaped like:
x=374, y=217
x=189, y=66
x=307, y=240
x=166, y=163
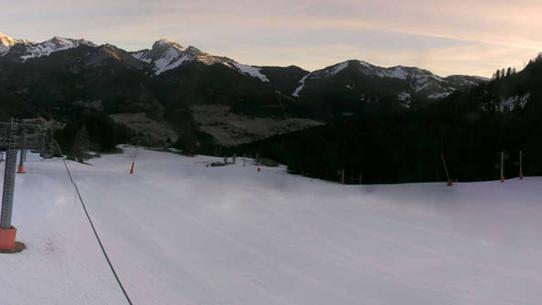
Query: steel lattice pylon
x=15, y=135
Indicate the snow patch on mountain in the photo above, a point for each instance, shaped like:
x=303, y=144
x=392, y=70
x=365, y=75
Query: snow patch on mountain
x=332, y=70
x=34, y=50
x=6, y=42
x=404, y=96
x=140, y=55
x=397, y=72
x=250, y=70
x=512, y=103
x=437, y=96
x=301, y=85
x=419, y=79
x=338, y=68
x=163, y=64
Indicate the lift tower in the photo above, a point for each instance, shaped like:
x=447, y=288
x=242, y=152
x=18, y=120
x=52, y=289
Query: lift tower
x=14, y=136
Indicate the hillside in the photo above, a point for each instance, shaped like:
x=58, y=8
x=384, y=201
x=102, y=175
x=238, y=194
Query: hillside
x=356, y=87
x=166, y=85
x=182, y=233
x=70, y=79
x=471, y=128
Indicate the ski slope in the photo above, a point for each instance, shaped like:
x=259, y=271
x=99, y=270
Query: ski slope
x=180, y=233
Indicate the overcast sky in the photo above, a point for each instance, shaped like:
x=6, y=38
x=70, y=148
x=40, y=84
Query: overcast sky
x=446, y=37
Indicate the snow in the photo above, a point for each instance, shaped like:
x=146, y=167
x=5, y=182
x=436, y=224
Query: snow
x=397, y=72
x=512, y=103
x=55, y=44
x=298, y=90
x=440, y=95
x=252, y=71
x=405, y=98
x=365, y=64
x=419, y=80
x=334, y=70
x=181, y=233
x=6, y=43
x=331, y=70
x=142, y=55
x=167, y=63
x=482, y=78
x=167, y=55
x=166, y=42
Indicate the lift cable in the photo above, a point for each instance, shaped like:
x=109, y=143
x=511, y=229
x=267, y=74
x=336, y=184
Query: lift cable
x=96, y=234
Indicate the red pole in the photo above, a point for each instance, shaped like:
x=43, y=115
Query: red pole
x=21, y=169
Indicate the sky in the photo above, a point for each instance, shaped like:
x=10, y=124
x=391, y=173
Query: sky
x=446, y=37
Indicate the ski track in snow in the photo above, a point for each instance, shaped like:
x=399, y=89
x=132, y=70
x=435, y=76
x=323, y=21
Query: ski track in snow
x=181, y=233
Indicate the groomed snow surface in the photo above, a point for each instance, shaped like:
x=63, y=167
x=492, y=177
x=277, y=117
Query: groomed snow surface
x=180, y=233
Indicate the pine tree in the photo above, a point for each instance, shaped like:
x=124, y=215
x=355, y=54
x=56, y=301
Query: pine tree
x=508, y=71
x=81, y=145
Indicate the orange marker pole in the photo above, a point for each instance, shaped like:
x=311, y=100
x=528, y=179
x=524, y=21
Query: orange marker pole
x=21, y=169
x=7, y=239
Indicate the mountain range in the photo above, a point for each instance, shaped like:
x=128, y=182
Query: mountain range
x=473, y=131
x=171, y=91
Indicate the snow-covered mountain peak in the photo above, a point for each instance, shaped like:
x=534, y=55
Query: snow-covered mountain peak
x=52, y=45
x=26, y=49
x=415, y=81
x=166, y=55
x=165, y=43
x=194, y=50
x=6, y=42
x=60, y=43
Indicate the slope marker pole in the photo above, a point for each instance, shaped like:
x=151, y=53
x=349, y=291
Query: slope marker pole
x=450, y=182
x=132, y=167
x=521, y=165
x=21, y=168
x=502, y=166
